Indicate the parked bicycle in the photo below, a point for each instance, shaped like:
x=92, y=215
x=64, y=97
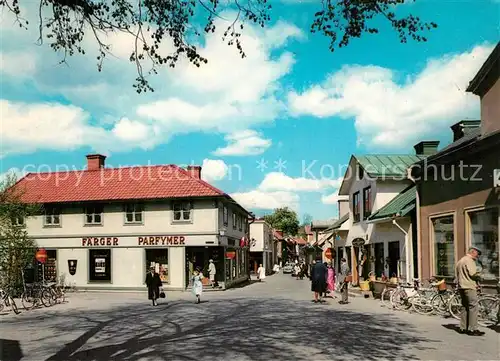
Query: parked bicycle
x=8, y=300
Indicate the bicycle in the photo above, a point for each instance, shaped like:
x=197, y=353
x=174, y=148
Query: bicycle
x=401, y=297
x=486, y=303
x=8, y=300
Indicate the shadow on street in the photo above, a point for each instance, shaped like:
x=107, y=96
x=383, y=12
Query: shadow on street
x=240, y=329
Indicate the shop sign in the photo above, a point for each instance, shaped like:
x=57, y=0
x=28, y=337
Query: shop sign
x=72, y=266
x=99, y=241
x=231, y=255
x=161, y=241
x=41, y=255
x=358, y=242
x=496, y=178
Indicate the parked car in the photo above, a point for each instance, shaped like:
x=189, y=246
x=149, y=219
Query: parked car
x=288, y=268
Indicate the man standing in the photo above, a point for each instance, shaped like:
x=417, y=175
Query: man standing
x=212, y=271
x=153, y=282
x=467, y=278
x=318, y=280
x=344, y=280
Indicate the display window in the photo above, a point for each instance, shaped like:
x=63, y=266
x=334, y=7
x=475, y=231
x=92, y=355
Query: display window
x=100, y=265
x=158, y=258
x=483, y=234
x=444, y=246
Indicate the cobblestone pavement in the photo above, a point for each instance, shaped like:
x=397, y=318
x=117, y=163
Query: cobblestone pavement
x=273, y=320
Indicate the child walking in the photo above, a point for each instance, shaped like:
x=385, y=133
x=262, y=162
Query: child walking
x=197, y=284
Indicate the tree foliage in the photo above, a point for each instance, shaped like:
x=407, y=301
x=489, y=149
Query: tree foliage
x=17, y=249
x=63, y=24
x=284, y=219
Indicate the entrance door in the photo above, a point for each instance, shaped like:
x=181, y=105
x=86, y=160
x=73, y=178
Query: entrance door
x=379, y=259
x=394, y=258
x=195, y=257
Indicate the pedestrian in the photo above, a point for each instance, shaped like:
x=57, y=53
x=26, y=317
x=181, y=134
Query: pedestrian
x=197, y=279
x=330, y=281
x=468, y=278
x=318, y=280
x=153, y=282
x=296, y=270
x=212, y=271
x=344, y=279
x=261, y=273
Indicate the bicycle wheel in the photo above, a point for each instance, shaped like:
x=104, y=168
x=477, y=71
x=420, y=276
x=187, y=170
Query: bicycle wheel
x=13, y=305
x=385, y=297
x=28, y=300
x=487, y=310
x=421, y=304
x=400, y=300
x=455, y=307
x=46, y=297
x=439, y=304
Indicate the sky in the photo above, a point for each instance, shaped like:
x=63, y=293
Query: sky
x=274, y=129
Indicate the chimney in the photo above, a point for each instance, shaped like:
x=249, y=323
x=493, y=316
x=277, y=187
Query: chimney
x=95, y=161
x=426, y=147
x=463, y=127
x=194, y=171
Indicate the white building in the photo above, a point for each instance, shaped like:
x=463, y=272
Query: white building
x=381, y=214
x=104, y=227
x=262, y=249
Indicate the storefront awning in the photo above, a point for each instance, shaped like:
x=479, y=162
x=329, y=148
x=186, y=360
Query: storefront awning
x=400, y=206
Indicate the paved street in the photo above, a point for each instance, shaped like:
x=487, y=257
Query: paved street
x=275, y=320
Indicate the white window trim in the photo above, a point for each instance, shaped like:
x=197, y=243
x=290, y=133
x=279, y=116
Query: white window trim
x=93, y=223
x=46, y=214
x=182, y=220
x=134, y=212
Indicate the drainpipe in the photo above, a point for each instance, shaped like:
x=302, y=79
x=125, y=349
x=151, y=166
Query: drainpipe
x=248, y=237
x=407, y=251
x=417, y=212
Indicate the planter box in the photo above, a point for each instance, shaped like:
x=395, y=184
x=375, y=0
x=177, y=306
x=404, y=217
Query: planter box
x=379, y=286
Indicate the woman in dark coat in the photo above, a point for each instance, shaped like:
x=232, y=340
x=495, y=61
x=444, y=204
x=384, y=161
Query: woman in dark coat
x=319, y=274
x=153, y=283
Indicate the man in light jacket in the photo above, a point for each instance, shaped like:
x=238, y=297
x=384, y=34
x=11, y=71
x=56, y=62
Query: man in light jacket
x=212, y=271
x=468, y=278
x=345, y=271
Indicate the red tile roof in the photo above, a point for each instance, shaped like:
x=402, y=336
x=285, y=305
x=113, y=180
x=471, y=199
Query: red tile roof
x=278, y=234
x=105, y=184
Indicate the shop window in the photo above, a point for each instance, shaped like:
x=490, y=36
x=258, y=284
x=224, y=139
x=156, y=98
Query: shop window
x=355, y=207
x=100, y=265
x=484, y=235
x=134, y=213
x=48, y=271
x=52, y=217
x=182, y=212
x=225, y=217
x=19, y=221
x=444, y=246
x=93, y=215
x=367, y=202
x=158, y=258
x=234, y=220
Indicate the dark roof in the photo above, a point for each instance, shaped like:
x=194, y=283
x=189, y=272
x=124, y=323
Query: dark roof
x=399, y=206
x=339, y=223
x=487, y=75
x=470, y=136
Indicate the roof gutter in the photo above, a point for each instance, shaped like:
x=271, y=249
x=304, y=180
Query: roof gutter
x=384, y=219
x=406, y=250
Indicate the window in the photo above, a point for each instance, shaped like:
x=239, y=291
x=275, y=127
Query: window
x=93, y=215
x=18, y=221
x=361, y=172
x=52, y=217
x=182, y=212
x=367, y=202
x=355, y=207
x=444, y=246
x=49, y=270
x=240, y=222
x=158, y=258
x=225, y=216
x=100, y=265
x=134, y=213
x=484, y=235
x=234, y=220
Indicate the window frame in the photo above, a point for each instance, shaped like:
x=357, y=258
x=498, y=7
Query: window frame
x=94, y=208
x=225, y=216
x=234, y=219
x=369, y=199
x=432, y=240
x=56, y=211
x=240, y=222
x=15, y=222
x=355, y=219
x=182, y=211
x=138, y=208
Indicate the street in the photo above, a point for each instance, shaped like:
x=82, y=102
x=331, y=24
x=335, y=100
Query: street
x=273, y=320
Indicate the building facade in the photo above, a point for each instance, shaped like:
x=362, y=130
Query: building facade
x=103, y=227
x=458, y=195
x=262, y=246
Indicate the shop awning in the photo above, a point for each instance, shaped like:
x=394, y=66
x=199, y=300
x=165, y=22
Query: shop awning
x=400, y=206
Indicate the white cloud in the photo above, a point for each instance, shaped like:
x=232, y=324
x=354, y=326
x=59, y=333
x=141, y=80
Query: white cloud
x=257, y=199
x=213, y=170
x=227, y=95
x=389, y=113
x=246, y=142
x=279, y=181
x=332, y=198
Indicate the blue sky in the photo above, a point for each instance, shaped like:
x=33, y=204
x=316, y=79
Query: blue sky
x=290, y=100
